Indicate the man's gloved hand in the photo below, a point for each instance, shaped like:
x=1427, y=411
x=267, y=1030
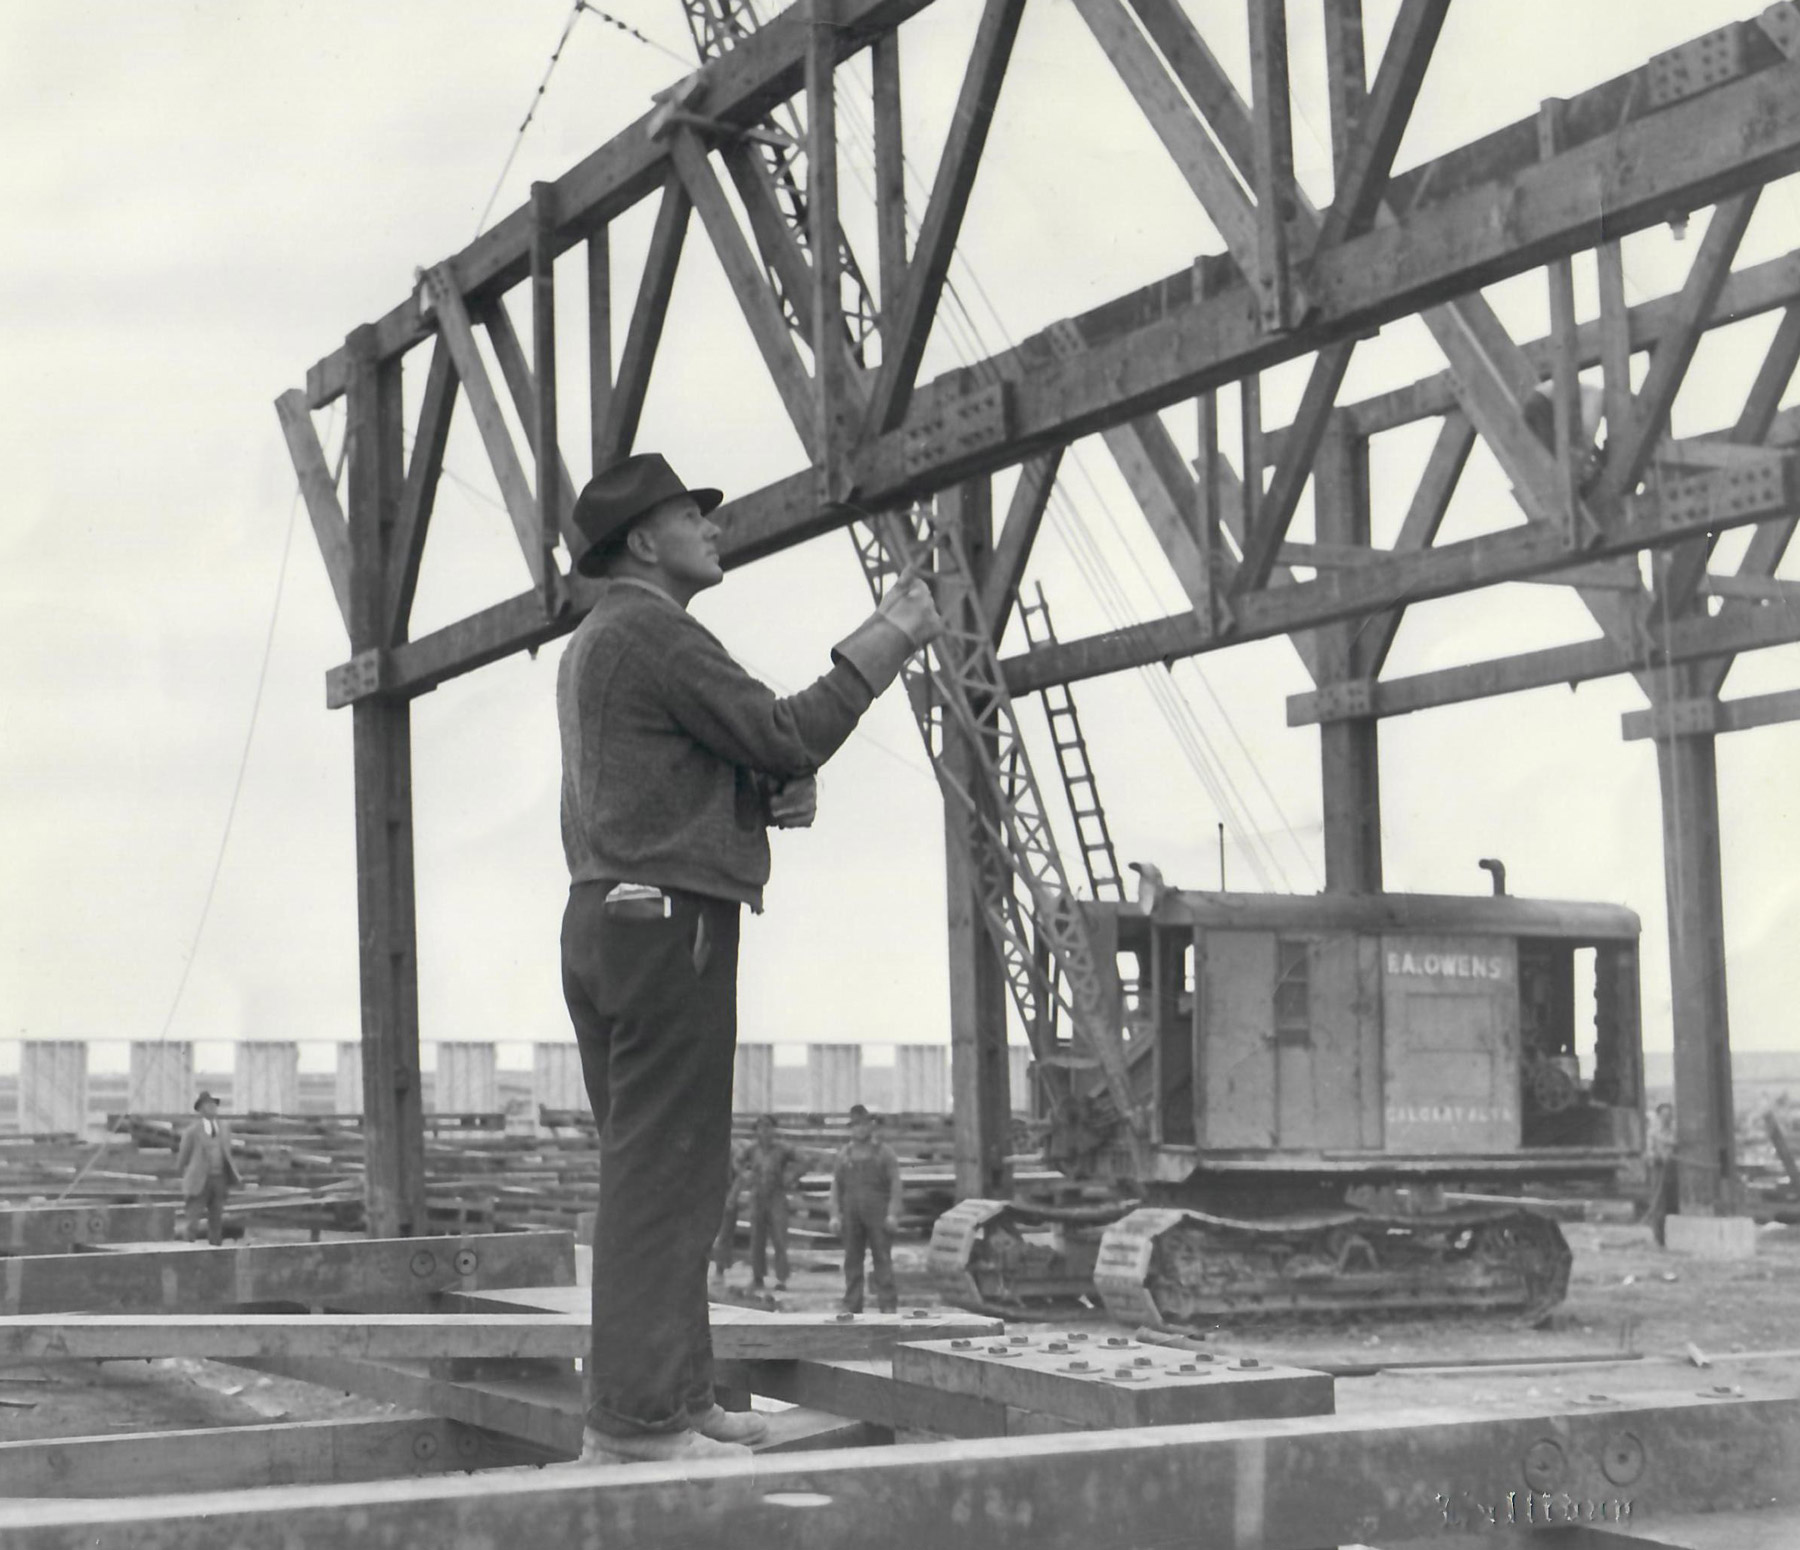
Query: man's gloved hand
x=880, y=645
x=908, y=603
x=793, y=804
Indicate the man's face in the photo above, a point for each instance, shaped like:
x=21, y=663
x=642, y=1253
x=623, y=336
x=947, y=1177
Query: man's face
x=685, y=545
x=209, y=1109
x=862, y=1129
x=765, y=1130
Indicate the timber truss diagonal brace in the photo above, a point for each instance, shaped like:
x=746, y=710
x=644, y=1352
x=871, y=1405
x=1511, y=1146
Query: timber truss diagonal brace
x=1022, y=881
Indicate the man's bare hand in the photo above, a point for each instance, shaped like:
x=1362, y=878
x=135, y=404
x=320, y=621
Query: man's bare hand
x=794, y=803
x=909, y=605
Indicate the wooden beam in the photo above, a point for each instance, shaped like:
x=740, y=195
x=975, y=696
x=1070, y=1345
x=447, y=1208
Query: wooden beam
x=626, y=404
x=1012, y=549
x=239, y=1458
x=767, y=325
x=190, y=1278
x=521, y=386
x=943, y=218
x=1302, y=1482
x=1510, y=555
x=1347, y=80
x=1687, y=717
x=458, y=334
x=417, y=499
x=599, y=342
x=1271, y=278
x=61, y=1228
x=1626, y=462
x=319, y=491
x=1687, y=641
x=554, y=497
x=783, y=256
x=1386, y=113
x=487, y=1336
x=890, y=184
x=826, y=240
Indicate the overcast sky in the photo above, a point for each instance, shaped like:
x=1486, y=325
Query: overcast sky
x=204, y=198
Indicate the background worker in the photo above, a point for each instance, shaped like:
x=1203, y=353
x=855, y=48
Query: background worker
x=725, y=1245
x=675, y=763
x=207, y=1172
x=865, y=1210
x=770, y=1169
x=1665, y=1191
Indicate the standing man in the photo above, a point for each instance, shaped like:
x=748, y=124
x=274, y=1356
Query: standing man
x=771, y=1169
x=865, y=1210
x=1665, y=1191
x=675, y=763
x=207, y=1171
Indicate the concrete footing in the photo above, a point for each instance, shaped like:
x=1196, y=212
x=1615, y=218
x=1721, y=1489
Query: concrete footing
x=1711, y=1237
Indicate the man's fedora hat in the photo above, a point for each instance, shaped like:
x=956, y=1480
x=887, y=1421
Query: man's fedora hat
x=205, y=1097
x=616, y=497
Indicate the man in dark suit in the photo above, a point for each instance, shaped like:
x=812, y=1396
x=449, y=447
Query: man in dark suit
x=207, y=1171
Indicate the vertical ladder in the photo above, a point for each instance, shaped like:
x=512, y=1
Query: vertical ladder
x=1098, y=857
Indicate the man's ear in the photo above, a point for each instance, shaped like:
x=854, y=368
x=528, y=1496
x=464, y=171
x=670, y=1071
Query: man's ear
x=640, y=543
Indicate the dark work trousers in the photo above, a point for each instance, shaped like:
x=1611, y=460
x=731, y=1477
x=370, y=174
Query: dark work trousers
x=768, y=1228
x=209, y=1203
x=865, y=1226
x=654, y=1003
x=1665, y=1194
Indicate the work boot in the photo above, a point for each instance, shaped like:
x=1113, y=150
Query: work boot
x=722, y=1425
x=654, y=1448
x=756, y=1285
x=781, y=1286
x=890, y=1307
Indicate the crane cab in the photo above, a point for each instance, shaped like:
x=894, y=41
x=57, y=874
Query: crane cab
x=1378, y=1037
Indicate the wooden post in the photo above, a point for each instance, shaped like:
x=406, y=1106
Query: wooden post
x=1349, y=751
x=1705, y=1123
x=979, y=1082
x=824, y=239
x=600, y=349
x=543, y=363
x=381, y=736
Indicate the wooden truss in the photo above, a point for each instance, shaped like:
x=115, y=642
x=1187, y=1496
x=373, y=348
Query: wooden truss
x=1707, y=124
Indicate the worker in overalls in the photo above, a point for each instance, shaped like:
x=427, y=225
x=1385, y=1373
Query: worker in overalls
x=865, y=1210
x=770, y=1169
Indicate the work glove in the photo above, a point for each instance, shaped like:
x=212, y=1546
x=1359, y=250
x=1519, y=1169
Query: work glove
x=794, y=803
x=878, y=647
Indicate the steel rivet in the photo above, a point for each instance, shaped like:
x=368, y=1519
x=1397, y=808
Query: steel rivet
x=1057, y=1345
x=1246, y=1364
x=1622, y=1459
x=1117, y=1340
x=846, y=1318
x=1188, y=1367
x=1544, y=1465
x=1081, y=1366
x=1019, y=1339
x=961, y=1345
x=1076, y=1334
x=1142, y=1361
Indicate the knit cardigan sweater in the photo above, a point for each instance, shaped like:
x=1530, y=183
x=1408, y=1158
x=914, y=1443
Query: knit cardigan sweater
x=669, y=748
